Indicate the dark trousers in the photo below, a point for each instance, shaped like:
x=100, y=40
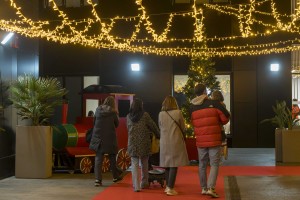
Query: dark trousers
x=98, y=165
x=171, y=173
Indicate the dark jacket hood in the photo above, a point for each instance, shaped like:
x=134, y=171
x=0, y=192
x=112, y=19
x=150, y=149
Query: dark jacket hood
x=104, y=110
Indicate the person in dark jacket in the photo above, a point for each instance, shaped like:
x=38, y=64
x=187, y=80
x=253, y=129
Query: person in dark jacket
x=206, y=117
x=104, y=138
x=218, y=96
x=140, y=129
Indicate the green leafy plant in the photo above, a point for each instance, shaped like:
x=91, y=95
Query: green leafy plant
x=35, y=98
x=283, y=116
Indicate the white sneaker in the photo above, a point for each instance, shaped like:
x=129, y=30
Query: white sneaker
x=204, y=191
x=167, y=189
x=212, y=193
x=172, y=192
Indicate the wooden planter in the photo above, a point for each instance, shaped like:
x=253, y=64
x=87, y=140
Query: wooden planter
x=33, y=152
x=291, y=146
x=278, y=145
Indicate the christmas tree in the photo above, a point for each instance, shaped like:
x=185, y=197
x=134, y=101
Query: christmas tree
x=201, y=70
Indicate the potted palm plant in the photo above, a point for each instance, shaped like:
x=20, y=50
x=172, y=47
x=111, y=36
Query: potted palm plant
x=287, y=135
x=35, y=99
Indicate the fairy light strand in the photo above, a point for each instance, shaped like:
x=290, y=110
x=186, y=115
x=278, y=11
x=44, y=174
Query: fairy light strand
x=69, y=32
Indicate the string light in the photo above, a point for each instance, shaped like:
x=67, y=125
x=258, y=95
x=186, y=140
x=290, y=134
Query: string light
x=79, y=31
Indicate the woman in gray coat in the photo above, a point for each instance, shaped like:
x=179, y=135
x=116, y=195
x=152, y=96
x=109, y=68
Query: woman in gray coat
x=104, y=138
x=140, y=128
x=173, y=151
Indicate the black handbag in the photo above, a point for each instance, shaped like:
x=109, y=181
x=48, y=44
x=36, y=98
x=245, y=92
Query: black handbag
x=88, y=135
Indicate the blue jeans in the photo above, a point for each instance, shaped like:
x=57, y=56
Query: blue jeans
x=212, y=155
x=137, y=184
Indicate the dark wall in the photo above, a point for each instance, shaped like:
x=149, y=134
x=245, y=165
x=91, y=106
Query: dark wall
x=255, y=91
x=13, y=62
x=152, y=83
x=68, y=60
x=18, y=56
x=7, y=139
x=74, y=85
x=256, y=88
x=272, y=86
x=244, y=102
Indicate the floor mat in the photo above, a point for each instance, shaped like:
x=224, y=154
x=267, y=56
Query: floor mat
x=262, y=187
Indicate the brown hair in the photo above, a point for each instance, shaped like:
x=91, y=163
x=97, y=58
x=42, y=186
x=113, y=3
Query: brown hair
x=217, y=95
x=110, y=101
x=136, y=110
x=169, y=103
x=199, y=89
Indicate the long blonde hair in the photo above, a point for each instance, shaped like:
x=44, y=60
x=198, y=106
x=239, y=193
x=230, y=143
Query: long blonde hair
x=110, y=101
x=169, y=103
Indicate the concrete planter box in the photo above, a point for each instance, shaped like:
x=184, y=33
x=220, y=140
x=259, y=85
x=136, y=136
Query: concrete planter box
x=291, y=146
x=33, y=152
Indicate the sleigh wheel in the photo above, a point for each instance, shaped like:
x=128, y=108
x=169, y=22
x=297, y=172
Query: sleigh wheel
x=123, y=159
x=85, y=165
x=105, y=164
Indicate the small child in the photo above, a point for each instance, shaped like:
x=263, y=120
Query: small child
x=217, y=95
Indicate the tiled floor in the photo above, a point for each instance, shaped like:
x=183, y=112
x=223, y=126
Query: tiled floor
x=63, y=186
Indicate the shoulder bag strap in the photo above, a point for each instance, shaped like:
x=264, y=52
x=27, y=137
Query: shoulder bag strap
x=176, y=124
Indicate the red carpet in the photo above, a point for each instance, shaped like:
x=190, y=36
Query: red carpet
x=187, y=183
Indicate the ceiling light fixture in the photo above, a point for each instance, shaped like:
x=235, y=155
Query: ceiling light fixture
x=274, y=67
x=135, y=67
x=7, y=37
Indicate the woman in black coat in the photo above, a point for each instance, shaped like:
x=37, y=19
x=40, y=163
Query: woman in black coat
x=104, y=138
